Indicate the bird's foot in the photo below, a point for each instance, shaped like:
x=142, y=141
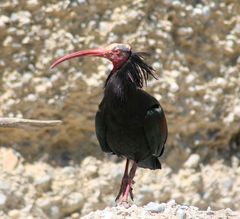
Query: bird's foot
x=122, y=192
x=131, y=193
x=125, y=204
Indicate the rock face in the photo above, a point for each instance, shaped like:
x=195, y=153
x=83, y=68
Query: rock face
x=194, y=47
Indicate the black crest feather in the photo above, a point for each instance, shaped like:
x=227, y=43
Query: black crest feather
x=137, y=70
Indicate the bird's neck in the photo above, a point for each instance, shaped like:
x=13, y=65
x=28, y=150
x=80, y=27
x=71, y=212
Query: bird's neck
x=119, y=87
x=123, y=82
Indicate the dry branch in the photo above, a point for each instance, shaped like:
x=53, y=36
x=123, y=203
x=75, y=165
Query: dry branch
x=27, y=123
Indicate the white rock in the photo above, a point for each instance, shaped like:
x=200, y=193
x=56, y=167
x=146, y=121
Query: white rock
x=181, y=214
x=185, y=31
x=155, y=207
x=54, y=212
x=171, y=203
x=44, y=203
x=14, y=214
x=4, y=186
x=43, y=183
x=190, y=78
x=32, y=2
x=3, y=200
x=108, y=214
x=73, y=202
x=31, y=97
x=193, y=161
x=197, y=11
x=3, y=20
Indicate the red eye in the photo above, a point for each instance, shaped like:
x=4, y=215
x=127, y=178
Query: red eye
x=117, y=52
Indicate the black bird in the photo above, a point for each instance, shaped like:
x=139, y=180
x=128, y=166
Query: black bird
x=129, y=122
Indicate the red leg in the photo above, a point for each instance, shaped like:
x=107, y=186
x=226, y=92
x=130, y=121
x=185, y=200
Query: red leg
x=128, y=188
x=124, y=181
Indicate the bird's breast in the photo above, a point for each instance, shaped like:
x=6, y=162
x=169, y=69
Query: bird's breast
x=124, y=120
x=125, y=134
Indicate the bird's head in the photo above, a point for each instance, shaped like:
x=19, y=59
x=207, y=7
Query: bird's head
x=117, y=53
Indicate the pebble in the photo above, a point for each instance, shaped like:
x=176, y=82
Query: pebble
x=107, y=214
x=185, y=31
x=31, y=97
x=181, y=214
x=3, y=21
x=172, y=203
x=3, y=200
x=54, y=212
x=27, y=77
x=32, y=3
x=193, y=161
x=43, y=183
x=197, y=11
x=44, y=203
x=73, y=202
x=14, y=214
x=69, y=170
x=10, y=160
x=209, y=211
x=155, y=207
x=176, y=3
x=4, y=186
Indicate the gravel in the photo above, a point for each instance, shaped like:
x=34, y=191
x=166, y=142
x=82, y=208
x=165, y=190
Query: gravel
x=170, y=210
x=41, y=190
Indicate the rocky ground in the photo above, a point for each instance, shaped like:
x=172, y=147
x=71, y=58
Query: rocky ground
x=169, y=210
x=40, y=190
x=60, y=172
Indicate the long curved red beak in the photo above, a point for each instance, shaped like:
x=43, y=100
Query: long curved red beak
x=90, y=52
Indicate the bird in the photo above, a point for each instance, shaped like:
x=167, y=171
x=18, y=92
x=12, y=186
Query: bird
x=129, y=122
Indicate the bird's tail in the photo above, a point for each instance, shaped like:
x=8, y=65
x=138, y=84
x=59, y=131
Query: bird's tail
x=151, y=162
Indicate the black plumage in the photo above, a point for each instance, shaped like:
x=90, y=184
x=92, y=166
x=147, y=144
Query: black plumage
x=130, y=122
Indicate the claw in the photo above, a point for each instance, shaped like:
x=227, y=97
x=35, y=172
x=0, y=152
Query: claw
x=131, y=193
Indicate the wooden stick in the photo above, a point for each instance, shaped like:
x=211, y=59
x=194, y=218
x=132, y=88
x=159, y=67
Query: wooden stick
x=6, y=122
